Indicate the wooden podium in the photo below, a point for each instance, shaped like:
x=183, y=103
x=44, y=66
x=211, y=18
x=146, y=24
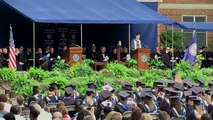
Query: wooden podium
x=75, y=55
x=142, y=55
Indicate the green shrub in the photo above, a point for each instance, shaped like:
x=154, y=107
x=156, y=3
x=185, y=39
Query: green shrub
x=81, y=70
x=132, y=63
x=37, y=73
x=118, y=70
x=155, y=64
x=60, y=64
x=23, y=86
x=6, y=74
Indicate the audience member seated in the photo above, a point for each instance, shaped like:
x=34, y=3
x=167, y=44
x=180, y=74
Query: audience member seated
x=206, y=116
x=136, y=114
x=33, y=113
x=113, y=55
x=89, y=99
x=163, y=115
x=2, y=111
x=114, y=116
x=122, y=105
x=64, y=111
x=51, y=98
x=146, y=116
x=36, y=95
x=20, y=101
x=9, y=116
x=57, y=115
x=102, y=56
x=44, y=115
x=3, y=99
x=16, y=111
x=73, y=86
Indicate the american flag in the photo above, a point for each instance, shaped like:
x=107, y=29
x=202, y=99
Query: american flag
x=12, y=56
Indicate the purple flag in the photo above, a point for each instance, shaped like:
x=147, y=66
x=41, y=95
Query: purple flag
x=191, y=51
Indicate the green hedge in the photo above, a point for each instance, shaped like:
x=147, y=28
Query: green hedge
x=22, y=82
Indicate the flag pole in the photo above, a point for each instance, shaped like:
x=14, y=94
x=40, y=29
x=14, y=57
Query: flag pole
x=172, y=46
x=33, y=44
x=81, y=36
x=129, y=37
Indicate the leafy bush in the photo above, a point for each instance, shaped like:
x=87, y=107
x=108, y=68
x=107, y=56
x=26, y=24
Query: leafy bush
x=155, y=64
x=60, y=64
x=184, y=67
x=150, y=76
x=198, y=63
x=37, y=73
x=118, y=70
x=81, y=70
x=23, y=86
x=132, y=63
x=6, y=74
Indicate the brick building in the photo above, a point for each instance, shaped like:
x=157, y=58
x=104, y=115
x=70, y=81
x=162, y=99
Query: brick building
x=189, y=11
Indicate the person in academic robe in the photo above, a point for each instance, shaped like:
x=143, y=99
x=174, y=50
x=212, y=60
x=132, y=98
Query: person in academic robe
x=165, y=55
x=19, y=64
x=52, y=58
x=39, y=57
x=177, y=108
x=29, y=57
x=156, y=54
x=113, y=55
x=36, y=95
x=136, y=42
x=22, y=57
x=1, y=58
x=89, y=99
x=179, y=55
x=102, y=56
x=92, y=54
x=138, y=90
x=106, y=101
x=197, y=112
x=124, y=54
x=51, y=97
x=69, y=99
x=122, y=105
x=93, y=86
x=149, y=104
x=77, y=94
x=5, y=57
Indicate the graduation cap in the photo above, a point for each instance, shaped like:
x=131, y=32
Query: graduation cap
x=187, y=82
x=107, y=87
x=108, y=83
x=148, y=96
x=174, y=98
x=201, y=81
x=105, y=94
x=159, y=82
x=196, y=101
x=127, y=86
x=174, y=93
x=147, y=89
x=73, y=85
x=210, y=92
x=123, y=94
x=171, y=83
x=196, y=90
x=187, y=93
x=195, y=84
x=179, y=86
x=91, y=85
x=139, y=83
x=69, y=90
x=210, y=83
x=192, y=97
x=160, y=87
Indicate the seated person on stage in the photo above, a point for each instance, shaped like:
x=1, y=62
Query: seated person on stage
x=102, y=56
x=39, y=57
x=156, y=54
x=113, y=55
x=5, y=57
x=92, y=53
x=124, y=54
x=136, y=42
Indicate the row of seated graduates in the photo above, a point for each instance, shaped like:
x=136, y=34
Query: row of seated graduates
x=186, y=99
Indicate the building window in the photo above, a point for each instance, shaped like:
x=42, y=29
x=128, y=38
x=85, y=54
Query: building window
x=201, y=35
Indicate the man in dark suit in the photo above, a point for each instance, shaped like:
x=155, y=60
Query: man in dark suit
x=102, y=56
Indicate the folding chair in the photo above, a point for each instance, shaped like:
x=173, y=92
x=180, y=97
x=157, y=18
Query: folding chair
x=25, y=114
x=127, y=114
x=178, y=118
x=155, y=116
x=51, y=105
x=70, y=108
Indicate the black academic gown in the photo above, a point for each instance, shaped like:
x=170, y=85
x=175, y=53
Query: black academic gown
x=29, y=62
x=164, y=105
x=101, y=106
x=51, y=99
x=166, y=59
x=71, y=101
x=5, y=57
x=121, y=107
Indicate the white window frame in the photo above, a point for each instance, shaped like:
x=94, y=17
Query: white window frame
x=194, y=16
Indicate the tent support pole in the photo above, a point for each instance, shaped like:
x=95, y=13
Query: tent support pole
x=81, y=36
x=34, y=44
x=129, y=37
x=173, y=47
